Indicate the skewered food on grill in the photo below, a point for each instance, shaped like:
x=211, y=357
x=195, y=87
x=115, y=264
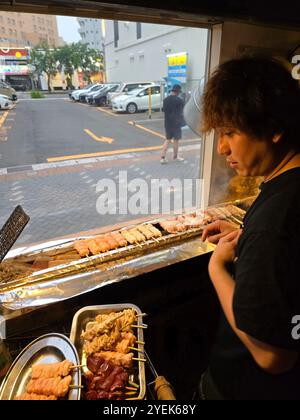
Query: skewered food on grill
x=156, y=233
x=51, y=386
x=235, y=211
x=35, y=397
x=145, y=231
x=82, y=247
x=129, y=237
x=119, y=238
x=172, y=226
x=51, y=370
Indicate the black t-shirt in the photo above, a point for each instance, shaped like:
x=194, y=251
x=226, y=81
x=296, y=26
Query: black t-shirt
x=173, y=109
x=266, y=297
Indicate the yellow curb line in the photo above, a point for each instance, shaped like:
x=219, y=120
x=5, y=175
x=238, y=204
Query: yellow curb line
x=100, y=154
x=146, y=129
x=107, y=112
x=3, y=118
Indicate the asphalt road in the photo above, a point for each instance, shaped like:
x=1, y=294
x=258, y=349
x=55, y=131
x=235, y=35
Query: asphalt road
x=51, y=166
x=45, y=130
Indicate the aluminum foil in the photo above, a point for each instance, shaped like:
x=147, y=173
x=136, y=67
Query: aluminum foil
x=87, y=274
x=29, y=296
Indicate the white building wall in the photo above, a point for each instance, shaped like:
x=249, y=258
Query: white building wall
x=146, y=58
x=90, y=32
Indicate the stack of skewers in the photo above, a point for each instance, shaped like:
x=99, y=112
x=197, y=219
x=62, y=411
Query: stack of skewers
x=110, y=347
x=49, y=381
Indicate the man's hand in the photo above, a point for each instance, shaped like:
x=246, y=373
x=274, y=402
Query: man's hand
x=225, y=251
x=218, y=230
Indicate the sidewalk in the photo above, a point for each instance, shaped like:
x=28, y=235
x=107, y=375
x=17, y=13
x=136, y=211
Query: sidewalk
x=61, y=201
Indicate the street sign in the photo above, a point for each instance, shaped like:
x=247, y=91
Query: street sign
x=177, y=67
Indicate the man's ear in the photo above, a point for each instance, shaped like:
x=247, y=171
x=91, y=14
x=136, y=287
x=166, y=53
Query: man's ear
x=276, y=138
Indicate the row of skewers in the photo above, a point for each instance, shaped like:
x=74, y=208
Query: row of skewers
x=27, y=265
x=115, y=240
x=49, y=381
x=110, y=347
x=144, y=232
x=195, y=220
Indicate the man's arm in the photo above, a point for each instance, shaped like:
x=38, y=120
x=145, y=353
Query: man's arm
x=269, y=358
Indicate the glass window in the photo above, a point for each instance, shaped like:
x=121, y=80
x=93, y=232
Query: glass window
x=72, y=151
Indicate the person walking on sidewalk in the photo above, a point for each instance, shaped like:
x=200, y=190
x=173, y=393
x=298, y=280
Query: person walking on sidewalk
x=173, y=109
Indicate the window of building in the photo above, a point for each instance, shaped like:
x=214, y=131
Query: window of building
x=138, y=30
x=116, y=33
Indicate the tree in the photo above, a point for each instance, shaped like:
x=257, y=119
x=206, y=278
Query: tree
x=68, y=59
x=44, y=59
x=78, y=56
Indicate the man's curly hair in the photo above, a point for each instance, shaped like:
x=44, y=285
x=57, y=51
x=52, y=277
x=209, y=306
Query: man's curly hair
x=256, y=95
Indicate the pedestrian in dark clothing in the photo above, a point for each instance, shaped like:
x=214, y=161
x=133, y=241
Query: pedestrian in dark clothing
x=173, y=109
x=254, y=106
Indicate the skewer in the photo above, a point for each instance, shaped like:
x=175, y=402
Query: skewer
x=140, y=342
x=130, y=393
x=133, y=384
x=141, y=314
x=131, y=388
x=138, y=359
x=139, y=326
x=134, y=348
x=76, y=386
x=77, y=366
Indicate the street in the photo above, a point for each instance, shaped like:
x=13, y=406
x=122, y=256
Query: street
x=54, y=152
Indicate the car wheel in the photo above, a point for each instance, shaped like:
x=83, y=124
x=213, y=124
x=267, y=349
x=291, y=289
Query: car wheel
x=102, y=101
x=131, y=108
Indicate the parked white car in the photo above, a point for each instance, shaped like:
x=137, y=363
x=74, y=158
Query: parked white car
x=124, y=88
x=138, y=100
x=5, y=102
x=76, y=93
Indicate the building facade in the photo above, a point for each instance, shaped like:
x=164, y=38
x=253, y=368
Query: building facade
x=143, y=52
x=28, y=30
x=90, y=32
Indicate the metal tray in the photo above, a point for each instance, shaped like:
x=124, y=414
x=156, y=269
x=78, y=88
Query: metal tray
x=49, y=348
x=88, y=314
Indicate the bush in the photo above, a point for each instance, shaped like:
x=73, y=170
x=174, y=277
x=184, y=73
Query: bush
x=36, y=94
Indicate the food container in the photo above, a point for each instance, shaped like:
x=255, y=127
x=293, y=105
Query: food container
x=49, y=348
x=88, y=314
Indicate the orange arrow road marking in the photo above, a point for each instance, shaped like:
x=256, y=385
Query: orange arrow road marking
x=100, y=139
